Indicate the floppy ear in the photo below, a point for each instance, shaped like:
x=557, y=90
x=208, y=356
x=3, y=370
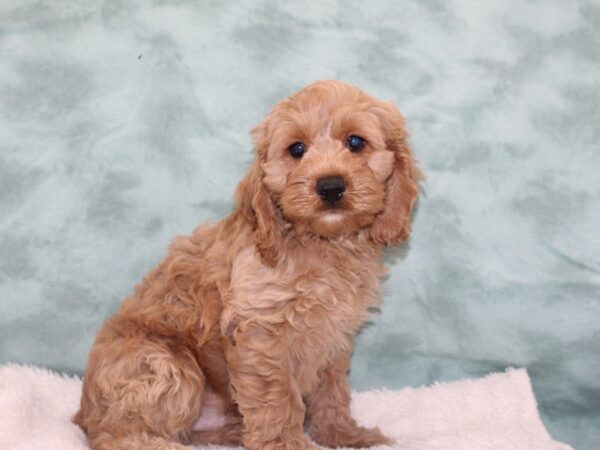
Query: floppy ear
x=256, y=205
x=393, y=224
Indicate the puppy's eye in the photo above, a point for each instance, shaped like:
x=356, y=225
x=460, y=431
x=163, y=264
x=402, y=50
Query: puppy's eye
x=355, y=143
x=297, y=149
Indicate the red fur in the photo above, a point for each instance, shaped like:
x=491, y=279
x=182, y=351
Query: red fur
x=260, y=309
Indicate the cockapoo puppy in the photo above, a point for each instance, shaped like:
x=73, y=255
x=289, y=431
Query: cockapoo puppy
x=242, y=335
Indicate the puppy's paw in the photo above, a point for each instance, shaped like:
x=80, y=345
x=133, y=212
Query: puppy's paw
x=300, y=442
x=350, y=436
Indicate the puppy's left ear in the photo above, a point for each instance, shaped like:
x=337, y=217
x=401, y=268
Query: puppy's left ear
x=393, y=224
x=256, y=204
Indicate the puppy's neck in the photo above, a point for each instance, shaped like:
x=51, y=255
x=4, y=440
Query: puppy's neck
x=355, y=243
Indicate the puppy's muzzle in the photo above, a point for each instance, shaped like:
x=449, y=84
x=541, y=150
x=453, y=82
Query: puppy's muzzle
x=331, y=189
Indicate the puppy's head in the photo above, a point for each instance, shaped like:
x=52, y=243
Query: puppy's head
x=330, y=161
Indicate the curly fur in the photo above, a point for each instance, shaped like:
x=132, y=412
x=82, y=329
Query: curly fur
x=254, y=317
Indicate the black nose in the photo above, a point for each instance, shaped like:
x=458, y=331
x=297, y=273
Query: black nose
x=331, y=189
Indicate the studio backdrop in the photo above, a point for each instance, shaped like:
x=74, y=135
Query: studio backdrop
x=123, y=124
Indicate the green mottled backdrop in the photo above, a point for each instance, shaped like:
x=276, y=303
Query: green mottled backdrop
x=124, y=123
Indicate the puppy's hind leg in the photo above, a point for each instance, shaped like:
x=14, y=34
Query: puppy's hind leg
x=141, y=441
x=140, y=392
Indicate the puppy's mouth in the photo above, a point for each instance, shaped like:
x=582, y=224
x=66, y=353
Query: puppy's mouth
x=332, y=217
x=331, y=223
x=339, y=207
x=338, y=221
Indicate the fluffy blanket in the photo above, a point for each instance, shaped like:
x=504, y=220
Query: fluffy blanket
x=495, y=412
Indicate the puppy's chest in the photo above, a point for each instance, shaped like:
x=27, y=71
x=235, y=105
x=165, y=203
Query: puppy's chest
x=317, y=303
x=322, y=320
x=307, y=293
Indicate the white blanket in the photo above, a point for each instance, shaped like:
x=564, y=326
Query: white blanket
x=498, y=411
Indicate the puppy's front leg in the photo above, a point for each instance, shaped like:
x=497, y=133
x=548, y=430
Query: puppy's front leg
x=265, y=391
x=328, y=415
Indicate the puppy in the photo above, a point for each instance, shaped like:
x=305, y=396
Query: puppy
x=248, y=324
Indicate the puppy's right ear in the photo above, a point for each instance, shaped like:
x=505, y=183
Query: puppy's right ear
x=256, y=205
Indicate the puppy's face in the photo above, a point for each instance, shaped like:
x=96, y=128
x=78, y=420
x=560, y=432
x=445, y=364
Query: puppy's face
x=328, y=154
x=330, y=161
x=327, y=164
